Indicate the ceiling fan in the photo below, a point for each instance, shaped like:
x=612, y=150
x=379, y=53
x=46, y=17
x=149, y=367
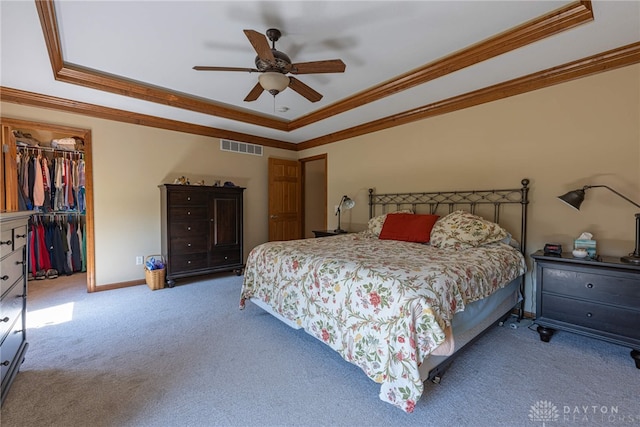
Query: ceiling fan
x=275, y=65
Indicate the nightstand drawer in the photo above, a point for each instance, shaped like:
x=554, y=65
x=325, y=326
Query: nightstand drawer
x=613, y=289
x=593, y=315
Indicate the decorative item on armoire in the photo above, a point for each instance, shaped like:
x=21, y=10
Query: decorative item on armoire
x=345, y=203
x=576, y=197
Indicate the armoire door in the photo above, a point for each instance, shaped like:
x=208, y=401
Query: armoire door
x=226, y=229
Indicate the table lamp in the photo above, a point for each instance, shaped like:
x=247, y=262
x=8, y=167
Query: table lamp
x=576, y=197
x=345, y=203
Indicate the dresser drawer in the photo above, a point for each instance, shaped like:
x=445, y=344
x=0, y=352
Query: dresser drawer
x=188, y=213
x=11, y=307
x=188, y=262
x=602, y=287
x=189, y=228
x=10, y=346
x=6, y=242
x=19, y=237
x=593, y=315
x=189, y=245
x=187, y=198
x=12, y=270
x=227, y=256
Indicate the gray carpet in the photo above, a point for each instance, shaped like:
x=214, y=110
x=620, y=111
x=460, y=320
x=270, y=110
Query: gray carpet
x=188, y=357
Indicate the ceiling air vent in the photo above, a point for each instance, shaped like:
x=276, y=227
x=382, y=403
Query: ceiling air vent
x=240, y=147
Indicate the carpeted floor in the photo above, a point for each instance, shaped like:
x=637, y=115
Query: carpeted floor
x=188, y=356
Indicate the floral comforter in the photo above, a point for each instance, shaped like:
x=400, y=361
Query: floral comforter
x=383, y=305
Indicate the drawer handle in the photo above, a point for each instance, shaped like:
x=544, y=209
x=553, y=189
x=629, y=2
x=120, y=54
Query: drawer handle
x=189, y=245
x=8, y=242
x=5, y=363
x=589, y=315
x=188, y=228
x=226, y=257
x=188, y=262
x=21, y=236
x=589, y=285
x=189, y=198
x=6, y=319
x=5, y=277
x=188, y=212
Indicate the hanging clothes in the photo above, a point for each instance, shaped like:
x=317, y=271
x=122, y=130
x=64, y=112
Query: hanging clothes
x=51, y=182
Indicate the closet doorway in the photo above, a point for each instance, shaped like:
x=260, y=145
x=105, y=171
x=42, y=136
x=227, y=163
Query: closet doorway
x=47, y=132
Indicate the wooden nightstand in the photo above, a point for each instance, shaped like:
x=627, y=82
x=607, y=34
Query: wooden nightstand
x=599, y=299
x=326, y=233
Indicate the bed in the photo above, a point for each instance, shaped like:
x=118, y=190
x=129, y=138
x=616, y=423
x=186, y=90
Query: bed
x=397, y=306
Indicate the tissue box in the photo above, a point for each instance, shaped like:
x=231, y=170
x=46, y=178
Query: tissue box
x=589, y=245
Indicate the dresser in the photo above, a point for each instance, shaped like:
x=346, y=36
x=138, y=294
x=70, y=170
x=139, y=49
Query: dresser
x=599, y=299
x=201, y=230
x=13, y=302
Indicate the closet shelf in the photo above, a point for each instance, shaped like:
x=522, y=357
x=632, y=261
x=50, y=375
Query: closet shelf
x=48, y=149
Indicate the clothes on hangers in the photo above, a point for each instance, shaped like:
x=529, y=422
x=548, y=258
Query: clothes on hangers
x=55, y=244
x=51, y=182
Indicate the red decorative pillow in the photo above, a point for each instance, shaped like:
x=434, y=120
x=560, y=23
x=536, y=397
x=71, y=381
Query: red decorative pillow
x=408, y=227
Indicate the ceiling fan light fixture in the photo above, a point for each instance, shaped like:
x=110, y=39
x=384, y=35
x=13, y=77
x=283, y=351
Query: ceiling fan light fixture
x=273, y=82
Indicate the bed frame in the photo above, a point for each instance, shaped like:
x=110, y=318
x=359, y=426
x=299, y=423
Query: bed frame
x=470, y=200
x=490, y=202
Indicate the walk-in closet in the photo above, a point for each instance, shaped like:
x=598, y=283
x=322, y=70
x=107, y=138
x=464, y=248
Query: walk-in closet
x=46, y=169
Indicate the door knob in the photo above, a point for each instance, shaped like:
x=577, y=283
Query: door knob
x=273, y=216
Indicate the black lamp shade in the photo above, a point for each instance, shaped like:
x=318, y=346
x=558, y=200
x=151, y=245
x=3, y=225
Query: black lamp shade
x=573, y=198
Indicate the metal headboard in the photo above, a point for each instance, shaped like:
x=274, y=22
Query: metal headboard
x=468, y=200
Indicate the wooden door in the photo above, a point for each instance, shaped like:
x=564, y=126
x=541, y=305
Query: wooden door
x=8, y=172
x=285, y=205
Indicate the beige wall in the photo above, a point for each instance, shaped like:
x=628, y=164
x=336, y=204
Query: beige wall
x=582, y=132
x=130, y=161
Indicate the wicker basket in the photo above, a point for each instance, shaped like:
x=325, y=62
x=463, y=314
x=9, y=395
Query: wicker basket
x=155, y=278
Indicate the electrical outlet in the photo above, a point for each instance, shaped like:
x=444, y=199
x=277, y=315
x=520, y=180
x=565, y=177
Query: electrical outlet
x=139, y=260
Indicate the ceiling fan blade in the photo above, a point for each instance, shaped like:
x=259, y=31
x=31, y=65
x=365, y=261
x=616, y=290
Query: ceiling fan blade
x=304, y=90
x=207, y=68
x=261, y=45
x=328, y=66
x=255, y=93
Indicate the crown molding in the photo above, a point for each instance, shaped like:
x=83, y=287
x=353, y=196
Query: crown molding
x=32, y=99
x=551, y=23
x=609, y=60
x=612, y=59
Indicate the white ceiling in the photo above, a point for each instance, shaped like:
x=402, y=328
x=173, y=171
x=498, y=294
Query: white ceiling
x=158, y=43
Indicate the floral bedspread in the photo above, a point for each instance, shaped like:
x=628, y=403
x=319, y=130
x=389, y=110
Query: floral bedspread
x=382, y=305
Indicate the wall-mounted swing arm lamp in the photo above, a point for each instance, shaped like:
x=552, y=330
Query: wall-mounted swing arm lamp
x=576, y=197
x=345, y=203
